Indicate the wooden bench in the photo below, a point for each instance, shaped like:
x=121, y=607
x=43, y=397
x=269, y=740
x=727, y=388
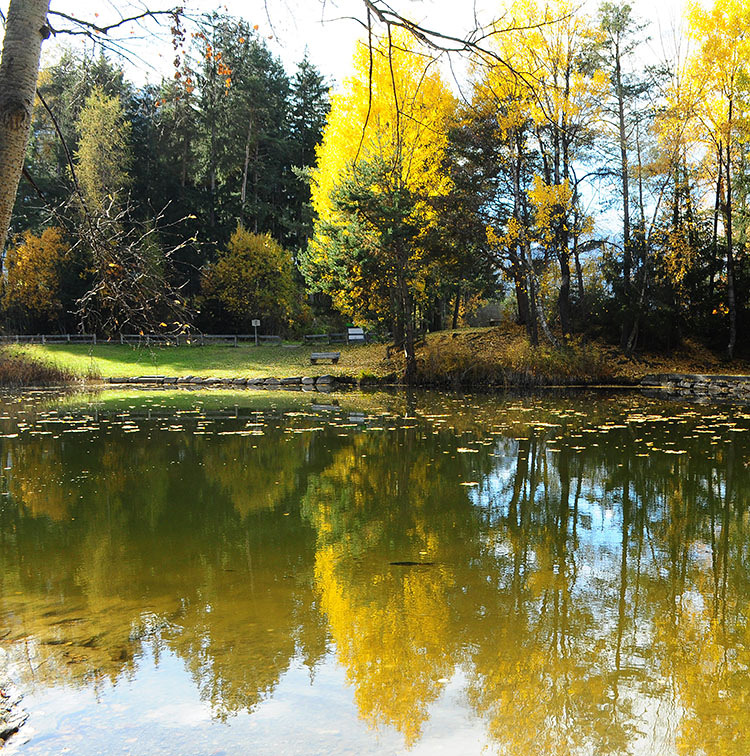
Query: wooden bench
x=332, y=356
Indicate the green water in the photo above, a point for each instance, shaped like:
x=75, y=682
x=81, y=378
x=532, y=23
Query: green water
x=217, y=573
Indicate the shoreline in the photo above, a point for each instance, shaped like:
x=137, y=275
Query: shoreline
x=693, y=387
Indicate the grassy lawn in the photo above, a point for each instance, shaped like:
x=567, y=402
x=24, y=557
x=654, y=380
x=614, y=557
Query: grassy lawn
x=479, y=356
x=245, y=361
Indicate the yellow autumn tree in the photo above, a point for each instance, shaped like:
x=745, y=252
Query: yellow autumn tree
x=32, y=274
x=103, y=152
x=717, y=77
x=253, y=278
x=379, y=174
x=565, y=107
x=546, y=104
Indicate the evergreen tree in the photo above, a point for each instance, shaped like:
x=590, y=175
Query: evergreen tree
x=309, y=108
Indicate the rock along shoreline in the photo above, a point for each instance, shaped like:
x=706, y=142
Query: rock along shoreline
x=298, y=383
x=700, y=387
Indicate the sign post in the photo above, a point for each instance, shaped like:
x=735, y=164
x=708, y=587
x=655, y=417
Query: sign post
x=255, y=324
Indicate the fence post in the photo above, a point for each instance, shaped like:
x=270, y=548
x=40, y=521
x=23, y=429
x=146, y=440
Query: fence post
x=94, y=339
x=68, y=335
x=201, y=339
x=43, y=341
x=122, y=341
x=235, y=341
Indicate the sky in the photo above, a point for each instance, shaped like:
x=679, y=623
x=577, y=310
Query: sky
x=327, y=30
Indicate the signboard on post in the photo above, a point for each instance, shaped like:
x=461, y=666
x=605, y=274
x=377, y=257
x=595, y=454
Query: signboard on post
x=255, y=323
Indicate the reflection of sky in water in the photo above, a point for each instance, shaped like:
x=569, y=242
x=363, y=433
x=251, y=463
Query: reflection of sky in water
x=599, y=524
x=157, y=711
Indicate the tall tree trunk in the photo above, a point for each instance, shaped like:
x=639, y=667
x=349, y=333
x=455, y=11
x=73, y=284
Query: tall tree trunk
x=563, y=300
x=731, y=296
x=715, y=236
x=435, y=314
x=212, y=174
x=532, y=328
x=563, y=234
x=523, y=270
x=522, y=297
x=185, y=154
x=535, y=301
x=641, y=203
x=245, y=166
x=25, y=29
x=456, y=307
x=183, y=124
x=407, y=308
x=255, y=189
x=627, y=263
x=579, y=276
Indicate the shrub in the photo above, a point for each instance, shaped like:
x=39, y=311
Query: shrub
x=18, y=371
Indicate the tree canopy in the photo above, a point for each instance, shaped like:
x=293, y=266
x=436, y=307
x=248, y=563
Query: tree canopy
x=569, y=186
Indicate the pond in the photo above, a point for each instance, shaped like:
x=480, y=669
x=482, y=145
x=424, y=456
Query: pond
x=287, y=573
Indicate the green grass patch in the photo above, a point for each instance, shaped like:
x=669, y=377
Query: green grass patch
x=123, y=361
x=466, y=357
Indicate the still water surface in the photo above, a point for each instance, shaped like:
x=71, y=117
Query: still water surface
x=234, y=573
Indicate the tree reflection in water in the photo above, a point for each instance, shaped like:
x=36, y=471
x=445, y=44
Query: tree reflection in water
x=588, y=575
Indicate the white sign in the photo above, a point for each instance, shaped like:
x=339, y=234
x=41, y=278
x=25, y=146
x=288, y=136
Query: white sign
x=255, y=323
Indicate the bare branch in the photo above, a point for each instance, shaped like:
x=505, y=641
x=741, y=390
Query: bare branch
x=33, y=183
x=69, y=159
x=87, y=27
x=369, y=87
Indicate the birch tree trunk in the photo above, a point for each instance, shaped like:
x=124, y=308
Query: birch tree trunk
x=25, y=30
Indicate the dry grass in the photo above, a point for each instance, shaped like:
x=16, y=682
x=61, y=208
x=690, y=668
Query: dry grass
x=20, y=371
x=503, y=356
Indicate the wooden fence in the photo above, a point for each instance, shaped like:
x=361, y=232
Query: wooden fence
x=141, y=339
x=197, y=339
x=351, y=336
x=182, y=339
x=49, y=338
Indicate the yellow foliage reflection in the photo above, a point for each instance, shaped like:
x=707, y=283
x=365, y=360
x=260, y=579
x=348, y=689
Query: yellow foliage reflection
x=393, y=625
